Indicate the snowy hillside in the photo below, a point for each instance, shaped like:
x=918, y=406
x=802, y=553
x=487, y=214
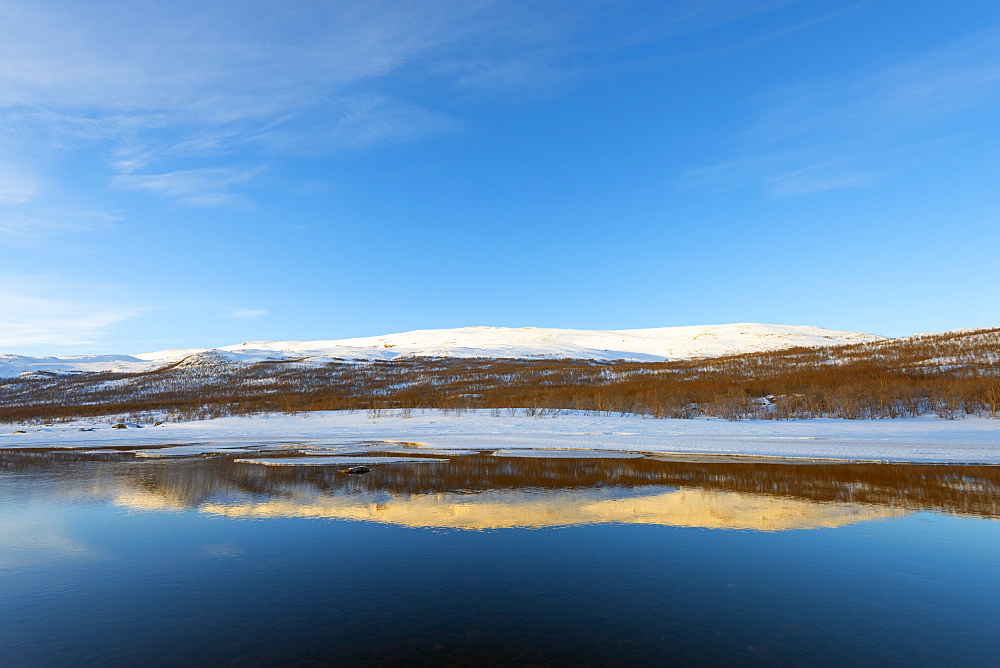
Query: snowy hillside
x=663, y=343
x=13, y=365
x=656, y=344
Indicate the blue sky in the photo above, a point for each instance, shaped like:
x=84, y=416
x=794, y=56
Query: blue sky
x=176, y=175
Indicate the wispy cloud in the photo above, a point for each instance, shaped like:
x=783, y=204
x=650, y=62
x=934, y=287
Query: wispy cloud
x=829, y=175
x=348, y=122
x=216, y=65
x=194, y=187
x=17, y=187
x=209, y=80
x=175, y=99
x=824, y=135
x=24, y=229
x=248, y=313
x=205, y=77
x=35, y=317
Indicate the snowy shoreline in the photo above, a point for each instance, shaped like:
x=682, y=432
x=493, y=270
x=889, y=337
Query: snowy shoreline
x=926, y=439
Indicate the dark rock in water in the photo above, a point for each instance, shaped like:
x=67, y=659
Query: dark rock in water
x=86, y=429
x=356, y=469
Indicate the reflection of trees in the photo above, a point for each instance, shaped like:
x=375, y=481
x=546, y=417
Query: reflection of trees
x=965, y=490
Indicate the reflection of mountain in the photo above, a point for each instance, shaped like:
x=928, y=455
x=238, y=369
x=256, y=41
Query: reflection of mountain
x=143, y=499
x=477, y=491
x=534, y=509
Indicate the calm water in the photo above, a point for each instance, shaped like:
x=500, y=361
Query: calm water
x=112, y=560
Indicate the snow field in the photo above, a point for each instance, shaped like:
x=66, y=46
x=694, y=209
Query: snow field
x=926, y=439
x=647, y=345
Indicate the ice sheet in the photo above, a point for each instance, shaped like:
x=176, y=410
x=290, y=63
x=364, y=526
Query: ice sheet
x=568, y=454
x=338, y=461
x=926, y=439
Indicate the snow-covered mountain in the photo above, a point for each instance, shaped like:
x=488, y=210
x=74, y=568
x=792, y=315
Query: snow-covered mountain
x=13, y=365
x=655, y=344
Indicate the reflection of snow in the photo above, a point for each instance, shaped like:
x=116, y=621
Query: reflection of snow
x=426, y=451
x=569, y=454
x=187, y=450
x=688, y=507
x=142, y=499
x=336, y=461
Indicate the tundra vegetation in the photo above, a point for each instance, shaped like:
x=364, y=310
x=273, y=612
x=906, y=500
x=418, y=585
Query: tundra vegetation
x=950, y=375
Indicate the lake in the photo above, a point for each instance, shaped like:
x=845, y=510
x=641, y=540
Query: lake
x=480, y=560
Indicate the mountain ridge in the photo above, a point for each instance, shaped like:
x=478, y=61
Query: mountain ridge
x=951, y=374
x=644, y=345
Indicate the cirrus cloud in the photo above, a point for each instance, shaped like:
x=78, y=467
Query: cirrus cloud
x=42, y=311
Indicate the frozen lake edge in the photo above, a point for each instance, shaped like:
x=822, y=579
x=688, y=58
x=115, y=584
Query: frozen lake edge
x=926, y=439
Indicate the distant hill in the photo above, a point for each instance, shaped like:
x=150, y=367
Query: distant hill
x=643, y=345
x=734, y=372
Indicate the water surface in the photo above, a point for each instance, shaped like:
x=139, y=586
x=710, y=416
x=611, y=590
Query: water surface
x=109, y=558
